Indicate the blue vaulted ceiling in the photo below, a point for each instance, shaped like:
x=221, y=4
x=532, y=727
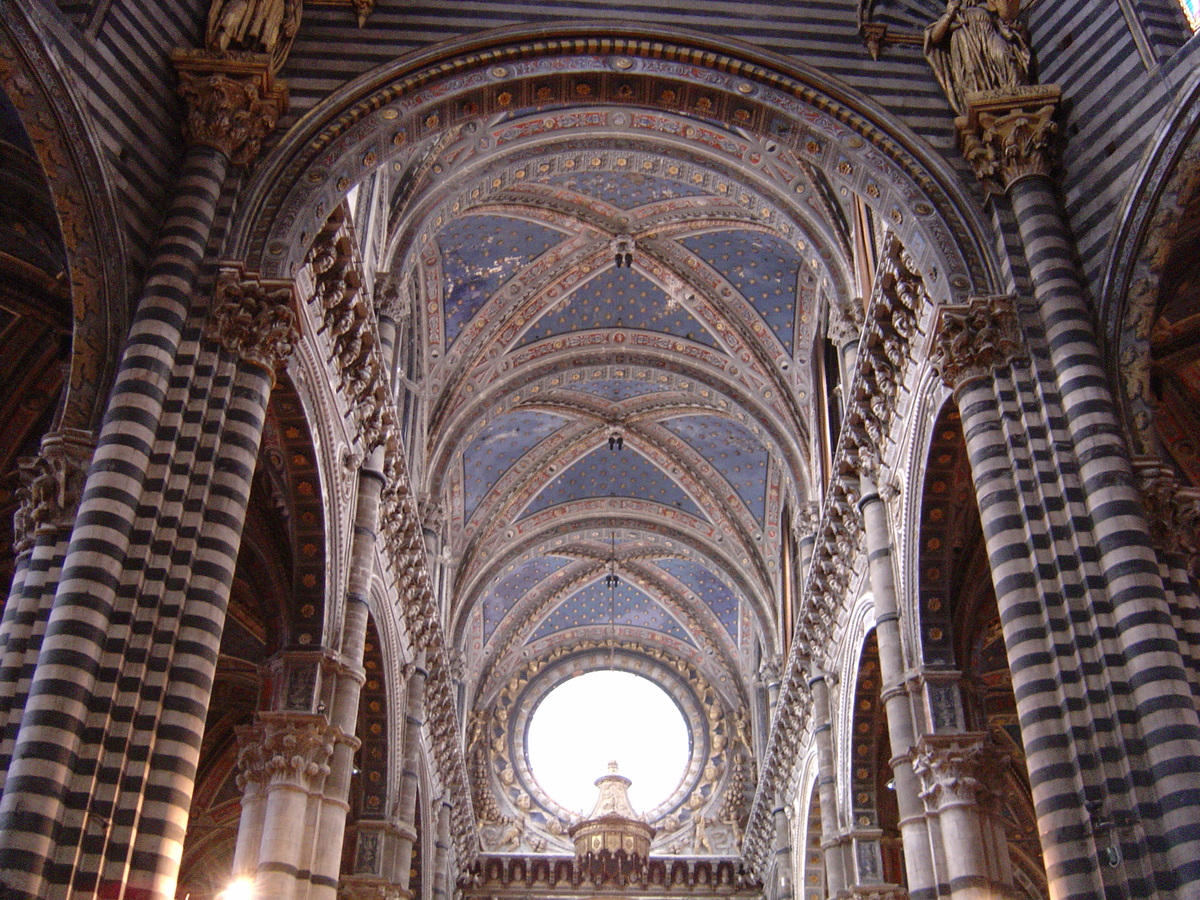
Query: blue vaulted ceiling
x=480, y=253
x=623, y=606
x=659, y=393
x=606, y=473
x=619, y=298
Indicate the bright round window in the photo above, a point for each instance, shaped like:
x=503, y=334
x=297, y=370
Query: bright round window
x=598, y=717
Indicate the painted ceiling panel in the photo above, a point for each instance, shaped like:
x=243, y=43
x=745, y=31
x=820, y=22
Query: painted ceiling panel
x=627, y=190
x=733, y=451
x=598, y=604
x=479, y=253
x=510, y=590
x=705, y=585
x=616, y=390
x=619, y=298
x=761, y=267
x=614, y=473
x=500, y=444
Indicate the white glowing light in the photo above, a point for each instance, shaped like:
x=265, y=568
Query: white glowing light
x=600, y=716
x=239, y=889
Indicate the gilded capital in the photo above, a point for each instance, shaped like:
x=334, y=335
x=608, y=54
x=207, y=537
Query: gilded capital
x=973, y=340
x=233, y=101
x=1007, y=135
x=252, y=318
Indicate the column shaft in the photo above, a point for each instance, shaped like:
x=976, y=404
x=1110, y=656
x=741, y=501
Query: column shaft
x=835, y=872
x=406, y=807
x=327, y=857
x=914, y=830
x=1169, y=724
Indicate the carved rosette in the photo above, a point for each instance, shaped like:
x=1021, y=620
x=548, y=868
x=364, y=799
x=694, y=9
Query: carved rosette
x=253, y=319
x=291, y=749
x=233, y=101
x=975, y=339
x=953, y=768
x=1173, y=511
x=52, y=486
x=1007, y=135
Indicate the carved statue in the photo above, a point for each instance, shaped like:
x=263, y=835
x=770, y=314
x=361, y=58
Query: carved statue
x=257, y=26
x=977, y=45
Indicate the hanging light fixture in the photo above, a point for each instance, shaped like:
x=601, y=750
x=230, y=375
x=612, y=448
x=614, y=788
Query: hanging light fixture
x=612, y=580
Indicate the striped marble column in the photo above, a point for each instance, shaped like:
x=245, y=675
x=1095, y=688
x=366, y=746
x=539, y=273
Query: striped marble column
x=52, y=483
x=443, y=881
x=1069, y=690
x=902, y=730
x=1009, y=140
x=331, y=831
x=131, y=641
x=835, y=863
x=406, y=806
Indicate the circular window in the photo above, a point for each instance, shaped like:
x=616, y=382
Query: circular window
x=598, y=717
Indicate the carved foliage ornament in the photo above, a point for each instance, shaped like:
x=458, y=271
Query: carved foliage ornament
x=973, y=340
x=52, y=485
x=1008, y=136
x=252, y=318
x=1173, y=511
x=232, y=102
x=292, y=749
x=954, y=768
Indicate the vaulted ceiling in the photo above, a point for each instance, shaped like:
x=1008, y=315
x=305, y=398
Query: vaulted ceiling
x=619, y=311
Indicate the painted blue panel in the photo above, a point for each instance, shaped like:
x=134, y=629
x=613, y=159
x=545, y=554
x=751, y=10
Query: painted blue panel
x=480, y=253
x=761, y=267
x=616, y=390
x=733, y=451
x=598, y=604
x=613, y=473
x=627, y=190
x=619, y=298
x=506, y=593
x=498, y=445
x=708, y=587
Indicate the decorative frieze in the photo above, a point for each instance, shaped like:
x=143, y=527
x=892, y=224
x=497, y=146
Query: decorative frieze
x=975, y=339
x=52, y=486
x=233, y=101
x=253, y=318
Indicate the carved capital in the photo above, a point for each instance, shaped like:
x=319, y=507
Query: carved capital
x=233, y=101
x=846, y=322
x=391, y=301
x=1007, y=135
x=51, y=486
x=253, y=319
x=808, y=515
x=953, y=768
x=1173, y=511
x=286, y=749
x=973, y=340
